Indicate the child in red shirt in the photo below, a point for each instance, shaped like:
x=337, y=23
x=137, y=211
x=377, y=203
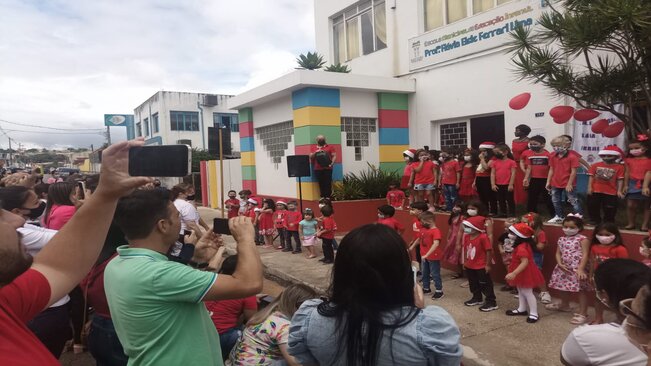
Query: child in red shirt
x=327, y=235
x=280, y=218
x=424, y=177
x=562, y=178
x=292, y=218
x=385, y=217
x=232, y=204
x=431, y=252
x=503, y=179
x=415, y=209
x=477, y=250
x=605, y=185
x=395, y=197
x=450, y=179
x=638, y=164
x=266, y=223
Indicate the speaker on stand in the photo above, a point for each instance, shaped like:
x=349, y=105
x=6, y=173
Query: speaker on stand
x=298, y=166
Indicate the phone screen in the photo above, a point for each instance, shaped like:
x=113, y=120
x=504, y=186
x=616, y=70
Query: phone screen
x=414, y=272
x=160, y=161
x=81, y=190
x=220, y=226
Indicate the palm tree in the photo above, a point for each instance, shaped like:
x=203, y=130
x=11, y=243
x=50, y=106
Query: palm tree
x=311, y=61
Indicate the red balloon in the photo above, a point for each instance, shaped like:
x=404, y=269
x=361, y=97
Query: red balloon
x=561, y=121
x=520, y=101
x=600, y=126
x=562, y=112
x=614, y=130
x=586, y=114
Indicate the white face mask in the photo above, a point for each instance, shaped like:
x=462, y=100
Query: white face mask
x=570, y=231
x=605, y=239
x=441, y=159
x=472, y=212
x=407, y=158
x=512, y=236
x=380, y=216
x=321, y=205
x=560, y=149
x=467, y=157
x=467, y=230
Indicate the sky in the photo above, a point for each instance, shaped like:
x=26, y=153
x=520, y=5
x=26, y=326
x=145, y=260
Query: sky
x=64, y=64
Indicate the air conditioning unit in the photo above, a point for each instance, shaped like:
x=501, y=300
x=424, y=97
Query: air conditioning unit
x=210, y=100
x=184, y=142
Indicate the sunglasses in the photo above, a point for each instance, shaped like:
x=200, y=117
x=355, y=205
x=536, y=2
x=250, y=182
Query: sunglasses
x=626, y=310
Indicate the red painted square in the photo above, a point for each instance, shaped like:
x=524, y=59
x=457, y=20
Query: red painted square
x=393, y=119
x=307, y=149
x=246, y=129
x=251, y=185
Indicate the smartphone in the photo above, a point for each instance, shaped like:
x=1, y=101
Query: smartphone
x=82, y=190
x=160, y=161
x=220, y=226
x=414, y=272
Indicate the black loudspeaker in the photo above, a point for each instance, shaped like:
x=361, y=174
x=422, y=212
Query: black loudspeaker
x=298, y=166
x=213, y=141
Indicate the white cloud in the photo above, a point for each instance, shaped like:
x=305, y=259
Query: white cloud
x=66, y=63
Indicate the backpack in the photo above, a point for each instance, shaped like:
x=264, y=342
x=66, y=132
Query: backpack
x=323, y=158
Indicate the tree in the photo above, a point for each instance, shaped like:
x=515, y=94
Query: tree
x=199, y=155
x=311, y=61
x=338, y=68
x=597, y=52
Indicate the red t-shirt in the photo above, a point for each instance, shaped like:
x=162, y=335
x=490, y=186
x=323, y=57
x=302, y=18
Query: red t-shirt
x=226, y=313
x=502, y=169
x=406, y=174
x=605, y=177
x=392, y=223
x=292, y=218
x=427, y=238
x=538, y=161
x=426, y=175
x=449, y=171
x=330, y=225
x=280, y=219
x=602, y=253
x=93, y=286
x=416, y=227
x=59, y=216
x=396, y=198
x=250, y=213
x=562, y=169
x=234, y=207
x=265, y=221
x=475, y=251
x=637, y=167
x=20, y=301
x=328, y=148
x=541, y=237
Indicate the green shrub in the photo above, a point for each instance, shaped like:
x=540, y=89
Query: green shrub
x=368, y=184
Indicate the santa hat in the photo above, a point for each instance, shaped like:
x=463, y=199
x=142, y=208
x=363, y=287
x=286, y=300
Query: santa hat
x=281, y=203
x=252, y=201
x=410, y=152
x=522, y=230
x=487, y=145
x=476, y=222
x=612, y=150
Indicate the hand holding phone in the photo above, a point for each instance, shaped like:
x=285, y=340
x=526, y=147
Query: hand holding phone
x=160, y=161
x=220, y=226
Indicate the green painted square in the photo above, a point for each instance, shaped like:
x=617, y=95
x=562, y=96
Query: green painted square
x=392, y=101
x=393, y=167
x=248, y=172
x=245, y=115
x=307, y=134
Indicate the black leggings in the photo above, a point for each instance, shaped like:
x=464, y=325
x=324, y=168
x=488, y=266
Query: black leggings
x=486, y=194
x=324, y=177
x=505, y=200
x=601, y=201
x=535, y=192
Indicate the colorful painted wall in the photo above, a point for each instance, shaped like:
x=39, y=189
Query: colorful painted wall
x=247, y=148
x=393, y=124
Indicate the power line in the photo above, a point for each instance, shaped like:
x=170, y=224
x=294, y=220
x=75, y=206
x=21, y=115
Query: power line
x=51, y=128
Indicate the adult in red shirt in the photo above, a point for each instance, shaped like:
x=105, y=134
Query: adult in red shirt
x=228, y=315
x=385, y=217
x=327, y=231
x=28, y=286
x=450, y=179
x=323, y=157
x=605, y=185
x=536, y=165
x=232, y=204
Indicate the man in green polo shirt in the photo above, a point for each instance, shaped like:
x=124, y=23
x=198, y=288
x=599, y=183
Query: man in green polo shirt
x=156, y=304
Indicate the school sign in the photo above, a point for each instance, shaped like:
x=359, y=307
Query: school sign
x=472, y=35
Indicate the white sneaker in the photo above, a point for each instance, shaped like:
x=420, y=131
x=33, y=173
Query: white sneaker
x=555, y=220
x=545, y=298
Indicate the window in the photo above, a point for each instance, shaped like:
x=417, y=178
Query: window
x=454, y=135
x=154, y=119
x=275, y=139
x=360, y=30
x=145, y=122
x=226, y=119
x=138, y=129
x=358, y=131
x=184, y=121
x=441, y=12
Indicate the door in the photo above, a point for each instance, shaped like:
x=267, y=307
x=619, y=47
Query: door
x=490, y=128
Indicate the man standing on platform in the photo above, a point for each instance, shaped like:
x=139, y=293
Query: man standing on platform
x=323, y=157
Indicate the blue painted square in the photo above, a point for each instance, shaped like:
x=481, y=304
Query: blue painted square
x=394, y=136
x=246, y=144
x=316, y=97
x=337, y=174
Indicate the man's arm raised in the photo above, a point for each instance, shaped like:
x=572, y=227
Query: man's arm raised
x=71, y=253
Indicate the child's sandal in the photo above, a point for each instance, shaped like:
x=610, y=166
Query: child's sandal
x=557, y=307
x=579, y=319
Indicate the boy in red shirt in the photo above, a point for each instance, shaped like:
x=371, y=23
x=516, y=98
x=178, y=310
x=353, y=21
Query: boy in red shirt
x=431, y=252
x=292, y=218
x=535, y=163
x=562, y=178
x=327, y=235
x=232, y=204
x=280, y=223
x=395, y=197
x=450, y=179
x=415, y=209
x=605, y=185
x=385, y=217
x=477, y=250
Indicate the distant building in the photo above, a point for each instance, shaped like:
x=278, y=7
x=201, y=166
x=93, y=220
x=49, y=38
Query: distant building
x=168, y=118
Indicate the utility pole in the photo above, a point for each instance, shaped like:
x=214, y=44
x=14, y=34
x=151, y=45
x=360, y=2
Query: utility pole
x=108, y=135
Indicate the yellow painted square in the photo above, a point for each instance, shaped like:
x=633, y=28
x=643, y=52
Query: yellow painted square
x=248, y=158
x=310, y=191
x=392, y=153
x=317, y=116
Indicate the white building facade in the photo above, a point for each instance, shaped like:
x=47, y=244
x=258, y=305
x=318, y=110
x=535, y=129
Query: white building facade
x=168, y=118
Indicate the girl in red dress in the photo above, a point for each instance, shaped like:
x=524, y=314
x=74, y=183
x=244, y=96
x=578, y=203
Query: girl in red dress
x=519, y=145
x=467, y=191
x=266, y=225
x=409, y=156
x=523, y=272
